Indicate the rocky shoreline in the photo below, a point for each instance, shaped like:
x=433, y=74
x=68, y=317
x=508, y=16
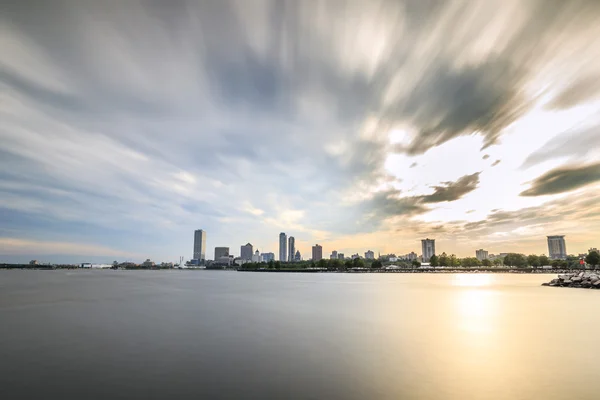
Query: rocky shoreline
x=585, y=280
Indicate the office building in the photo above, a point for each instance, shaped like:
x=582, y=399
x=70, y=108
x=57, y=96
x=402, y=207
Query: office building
x=428, y=247
x=298, y=256
x=317, y=252
x=246, y=252
x=291, y=248
x=221, y=252
x=481, y=254
x=340, y=256
x=199, y=244
x=257, y=257
x=557, y=248
x=334, y=255
x=266, y=257
x=369, y=255
x=282, y=247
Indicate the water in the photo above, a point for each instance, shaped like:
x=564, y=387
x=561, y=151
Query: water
x=216, y=334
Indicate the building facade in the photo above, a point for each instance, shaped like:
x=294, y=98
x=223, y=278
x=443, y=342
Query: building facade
x=317, y=252
x=428, y=249
x=257, y=258
x=340, y=256
x=221, y=252
x=246, y=252
x=481, y=254
x=266, y=257
x=282, y=247
x=369, y=255
x=298, y=256
x=199, y=244
x=557, y=248
x=291, y=248
x=334, y=255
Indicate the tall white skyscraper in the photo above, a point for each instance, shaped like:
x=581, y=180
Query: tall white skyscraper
x=291, y=248
x=282, y=247
x=557, y=248
x=199, y=244
x=428, y=246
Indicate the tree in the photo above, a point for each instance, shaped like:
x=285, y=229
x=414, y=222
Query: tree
x=593, y=258
x=486, y=263
x=533, y=260
x=376, y=264
x=544, y=260
x=497, y=262
x=444, y=261
x=555, y=264
x=358, y=263
x=434, y=261
x=335, y=264
x=277, y=264
x=322, y=264
x=454, y=262
x=564, y=264
x=348, y=264
x=416, y=263
x=515, y=260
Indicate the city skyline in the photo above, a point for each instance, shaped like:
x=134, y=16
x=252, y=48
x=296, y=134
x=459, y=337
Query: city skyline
x=366, y=125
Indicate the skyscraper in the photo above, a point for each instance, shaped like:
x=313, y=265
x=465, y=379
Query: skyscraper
x=334, y=255
x=369, y=255
x=291, y=248
x=557, y=248
x=298, y=256
x=282, y=247
x=428, y=246
x=246, y=252
x=317, y=252
x=481, y=254
x=199, y=244
x=221, y=252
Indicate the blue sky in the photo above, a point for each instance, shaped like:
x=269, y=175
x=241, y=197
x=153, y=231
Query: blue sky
x=356, y=125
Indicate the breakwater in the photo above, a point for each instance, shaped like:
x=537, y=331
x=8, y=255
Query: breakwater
x=585, y=280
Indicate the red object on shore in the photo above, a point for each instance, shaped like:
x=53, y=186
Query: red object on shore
x=581, y=262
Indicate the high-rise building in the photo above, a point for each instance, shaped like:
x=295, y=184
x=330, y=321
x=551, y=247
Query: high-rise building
x=428, y=246
x=557, y=247
x=334, y=255
x=246, y=252
x=369, y=255
x=481, y=254
x=221, y=252
x=266, y=257
x=340, y=256
x=199, y=244
x=317, y=252
x=298, y=256
x=282, y=247
x=291, y=248
x=257, y=258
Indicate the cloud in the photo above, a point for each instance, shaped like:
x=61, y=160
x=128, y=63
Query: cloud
x=574, y=144
x=451, y=191
x=564, y=179
x=579, y=91
x=16, y=246
x=413, y=165
x=485, y=156
x=496, y=163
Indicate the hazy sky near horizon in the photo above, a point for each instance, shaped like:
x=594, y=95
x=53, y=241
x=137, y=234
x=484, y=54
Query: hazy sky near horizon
x=356, y=125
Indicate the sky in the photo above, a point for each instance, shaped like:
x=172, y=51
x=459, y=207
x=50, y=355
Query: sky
x=357, y=125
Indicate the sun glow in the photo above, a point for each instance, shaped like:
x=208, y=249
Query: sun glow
x=472, y=280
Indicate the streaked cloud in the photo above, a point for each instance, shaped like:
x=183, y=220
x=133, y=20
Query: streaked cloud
x=564, y=179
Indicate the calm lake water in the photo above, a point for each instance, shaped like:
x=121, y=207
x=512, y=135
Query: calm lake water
x=234, y=335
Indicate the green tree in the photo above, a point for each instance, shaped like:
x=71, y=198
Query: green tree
x=515, y=260
x=416, y=263
x=444, y=261
x=564, y=264
x=486, y=263
x=543, y=260
x=497, y=262
x=434, y=261
x=335, y=264
x=454, y=262
x=277, y=264
x=322, y=264
x=358, y=263
x=593, y=258
x=348, y=264
x=533, y=260
x=555, y=264
x=376, y=264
